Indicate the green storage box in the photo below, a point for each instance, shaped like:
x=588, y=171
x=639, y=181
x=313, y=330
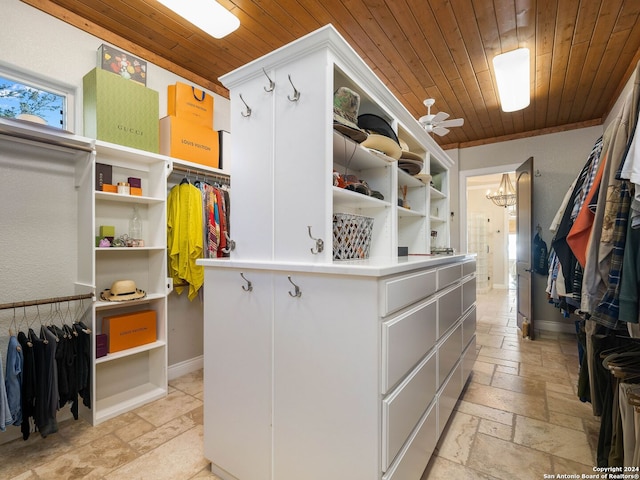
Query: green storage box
x=119, y=111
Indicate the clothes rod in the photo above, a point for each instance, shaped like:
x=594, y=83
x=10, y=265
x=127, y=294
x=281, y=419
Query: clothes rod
x=44, y=301
x=201, y=171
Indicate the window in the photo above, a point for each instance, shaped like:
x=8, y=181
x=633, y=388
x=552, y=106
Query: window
x=25, y=98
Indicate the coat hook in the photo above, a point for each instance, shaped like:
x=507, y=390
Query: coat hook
x=248, y=287
x=296, y=93
x=297, y=292
x=272, y=84
x=247, y=112
x=319, y=243
x=231, y=243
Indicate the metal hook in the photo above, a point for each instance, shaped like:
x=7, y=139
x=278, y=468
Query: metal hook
x=297, y=292
x=231, y=243
x=248, y=287
x=247, y=112
x=319, y=242
x=272, y=84
x=296, y=93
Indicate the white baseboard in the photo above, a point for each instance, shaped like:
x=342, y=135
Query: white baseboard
x=555, y=327
x=188, y=366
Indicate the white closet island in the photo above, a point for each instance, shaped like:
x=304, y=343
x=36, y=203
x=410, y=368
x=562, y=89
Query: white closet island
x=317, y=368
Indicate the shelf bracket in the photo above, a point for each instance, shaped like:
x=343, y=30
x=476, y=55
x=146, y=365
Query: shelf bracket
x=297, y=292
x=319, y=243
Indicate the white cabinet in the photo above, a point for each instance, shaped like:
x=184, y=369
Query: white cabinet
x=287, y=152
x=319, y=368
x=126, y=379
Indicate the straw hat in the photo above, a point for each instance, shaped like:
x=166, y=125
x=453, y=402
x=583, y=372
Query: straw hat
x=381, y=135
x=122, y=290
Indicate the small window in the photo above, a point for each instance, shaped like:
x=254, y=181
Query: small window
x=33, y=101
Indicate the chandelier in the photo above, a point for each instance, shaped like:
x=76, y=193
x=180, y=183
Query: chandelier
x=505, y=196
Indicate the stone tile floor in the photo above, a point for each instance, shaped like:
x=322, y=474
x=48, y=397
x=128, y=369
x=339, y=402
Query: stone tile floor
x=519, y=418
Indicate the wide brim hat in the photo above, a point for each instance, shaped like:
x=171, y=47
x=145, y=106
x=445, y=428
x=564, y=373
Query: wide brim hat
x=121, y=291
x=346, y=103
x=381, y=135
x=406, y=153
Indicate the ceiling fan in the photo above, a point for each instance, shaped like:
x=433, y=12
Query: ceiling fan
x=438, y=123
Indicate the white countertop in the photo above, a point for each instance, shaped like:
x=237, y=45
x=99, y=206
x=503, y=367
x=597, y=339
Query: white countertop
x=367, y=268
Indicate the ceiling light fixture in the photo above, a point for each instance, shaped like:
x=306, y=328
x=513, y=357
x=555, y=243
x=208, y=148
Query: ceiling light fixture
x=513, y=79
x=208, y=15
x=505, y=196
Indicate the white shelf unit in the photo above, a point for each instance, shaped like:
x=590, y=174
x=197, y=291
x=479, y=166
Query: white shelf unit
x=439, y=206
x=133, y=377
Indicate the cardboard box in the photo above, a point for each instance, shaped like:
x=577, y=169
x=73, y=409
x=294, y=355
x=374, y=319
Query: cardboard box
x=122, y=63
x=130, y=330
x=189, y=103
x=119, y=111
x=182, y=139
x=104, y=175
x=135, y=191
x=106, y=187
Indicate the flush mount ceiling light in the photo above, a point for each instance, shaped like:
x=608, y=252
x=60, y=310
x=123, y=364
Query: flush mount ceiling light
x=505, y=196
x=513, y=79
x=208, y=15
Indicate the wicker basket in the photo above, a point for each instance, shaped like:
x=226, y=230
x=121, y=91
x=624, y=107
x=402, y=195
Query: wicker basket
x=351, y=236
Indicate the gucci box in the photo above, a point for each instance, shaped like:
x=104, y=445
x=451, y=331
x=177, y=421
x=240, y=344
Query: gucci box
x=119, y=111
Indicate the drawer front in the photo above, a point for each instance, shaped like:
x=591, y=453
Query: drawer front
x=402, y=409
x=468, y=293
x=469, y=326
x=448, y=275
x=415, y=455
x=448, y=397
x=405, y=340
x=449, y=353
x=449, y=309
x=399, y=292
x=468, y=359
x=468, y=268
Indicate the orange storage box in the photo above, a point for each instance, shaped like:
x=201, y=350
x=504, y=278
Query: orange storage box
x=180, y=138
x=130, y=330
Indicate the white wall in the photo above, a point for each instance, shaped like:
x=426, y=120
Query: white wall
x=37, y=44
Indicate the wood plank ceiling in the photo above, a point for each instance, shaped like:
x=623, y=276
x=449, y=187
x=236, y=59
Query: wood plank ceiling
x=582, y=51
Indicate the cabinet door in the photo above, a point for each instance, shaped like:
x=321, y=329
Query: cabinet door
x=326, y=399
x=237, y=373
x=303, y=155
x=252, y=170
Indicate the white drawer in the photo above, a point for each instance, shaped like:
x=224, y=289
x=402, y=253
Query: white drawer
x=448, y=397
x=399, y=292
x=468, y=293
x=449, y=353
x=468, y=326
x=406, y=339
x=402, y=409
x=449, y=309
x=415, y=455
x=448, y=275
x=468, y=268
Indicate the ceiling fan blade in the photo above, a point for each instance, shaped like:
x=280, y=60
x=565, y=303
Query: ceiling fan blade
x=440, y=116
x=438, y=130
x=454, y=122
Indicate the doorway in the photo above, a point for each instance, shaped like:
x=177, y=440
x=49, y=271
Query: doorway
x=488, y=230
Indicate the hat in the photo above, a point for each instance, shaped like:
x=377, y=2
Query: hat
x=346, y=103
x=406, y=153
x=381, y=135
x=122, y=290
